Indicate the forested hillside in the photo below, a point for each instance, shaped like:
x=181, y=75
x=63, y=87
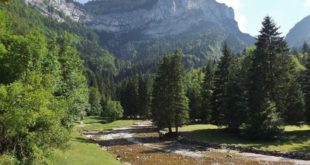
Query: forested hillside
x=54, y=74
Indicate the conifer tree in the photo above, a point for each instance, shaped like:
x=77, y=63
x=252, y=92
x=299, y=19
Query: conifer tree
x=295, y=105
x=129, y=97
x=263, y=118
x=207, y=90
x=234, y=100
x=305, y=81
x=221, y=78
x=145, y=96
x=170, y=104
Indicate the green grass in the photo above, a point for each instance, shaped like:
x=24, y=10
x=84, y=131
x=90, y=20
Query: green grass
x=81, y=151
x=294, y=138
x=101, y=124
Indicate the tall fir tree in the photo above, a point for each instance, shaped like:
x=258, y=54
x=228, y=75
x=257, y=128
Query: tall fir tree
x=193, y=83
x=263, y=118
x=305, y=82
x=170, y=104
x=295, y=105
x=207, y=91
x=221, y=79
x=289, y=98
x=129, y=97
x=235, y=100
x=145, y=94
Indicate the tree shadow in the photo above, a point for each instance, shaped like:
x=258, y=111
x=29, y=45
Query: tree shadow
x=99, y=119
x=222, y=136
x=84, y=140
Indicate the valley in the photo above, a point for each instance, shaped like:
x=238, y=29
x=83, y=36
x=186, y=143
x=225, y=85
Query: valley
x=156, y=82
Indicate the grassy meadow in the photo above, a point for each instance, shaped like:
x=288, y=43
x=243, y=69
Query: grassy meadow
x=81, y=151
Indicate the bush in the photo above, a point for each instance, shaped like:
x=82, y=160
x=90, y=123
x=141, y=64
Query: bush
x=113, y=110
x=7, y=160
x=30, y=123
x=94, y=100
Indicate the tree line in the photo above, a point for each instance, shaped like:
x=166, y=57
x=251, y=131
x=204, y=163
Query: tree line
x=253, y=94
x=51, y=78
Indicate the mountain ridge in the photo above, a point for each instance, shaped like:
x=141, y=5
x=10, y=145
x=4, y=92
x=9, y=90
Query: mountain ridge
x=144, y=29
x=299, y=34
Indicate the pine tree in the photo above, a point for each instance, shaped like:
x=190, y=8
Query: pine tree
x=305, y=81
x=94, y=101
x=129, y=97
x=295, y=105
x=193, y=83
x=207, y=90
x=263, y=119
x=221, y=78
x=289, y=98
x=145, y=96
x=234, y=100
x=169, y=104
x=179, y=100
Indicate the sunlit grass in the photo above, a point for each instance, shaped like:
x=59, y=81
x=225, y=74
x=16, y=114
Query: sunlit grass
x=101, y=124
x=81, y=151
x=294, y=138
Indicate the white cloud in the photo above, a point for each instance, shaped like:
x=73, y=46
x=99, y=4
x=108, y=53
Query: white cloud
x=307, y=3
x=242, y=22
x=231, y=3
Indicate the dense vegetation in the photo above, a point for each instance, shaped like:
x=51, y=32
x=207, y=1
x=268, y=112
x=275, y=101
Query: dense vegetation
x=253, y=94
x=53, y=74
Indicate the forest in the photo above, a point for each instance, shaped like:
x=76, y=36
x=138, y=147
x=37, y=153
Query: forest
x=54, y=75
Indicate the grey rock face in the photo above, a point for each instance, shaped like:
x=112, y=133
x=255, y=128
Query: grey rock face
x=164, y=17
x=68, y=9
x=136, y=28
x=299, y=34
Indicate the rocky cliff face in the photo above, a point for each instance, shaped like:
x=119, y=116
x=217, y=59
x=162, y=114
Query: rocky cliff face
x=299, y=34
x=159, y=17
x=138, y=29
x=57, y=9
x=134, y=28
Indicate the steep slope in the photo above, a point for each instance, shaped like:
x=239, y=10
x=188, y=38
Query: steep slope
x=299, y=34
x=58, y=9
x=135, y=29
x=27, y=18
x=145, y=29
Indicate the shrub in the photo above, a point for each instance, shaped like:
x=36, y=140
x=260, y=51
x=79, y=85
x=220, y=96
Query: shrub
x=113, y=109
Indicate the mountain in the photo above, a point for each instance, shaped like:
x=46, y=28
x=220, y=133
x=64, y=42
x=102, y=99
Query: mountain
x=58, y=9
x=145, y=29
x=299, y=34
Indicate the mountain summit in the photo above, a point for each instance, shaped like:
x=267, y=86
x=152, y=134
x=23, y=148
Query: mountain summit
x=140, y=29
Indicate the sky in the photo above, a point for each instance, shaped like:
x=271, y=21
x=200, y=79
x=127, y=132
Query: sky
x=83, y=1
x=250, y=13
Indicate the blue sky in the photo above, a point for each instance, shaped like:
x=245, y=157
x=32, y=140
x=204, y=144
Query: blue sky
x=82, y=1
x=286, y=13
x=250, y=13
